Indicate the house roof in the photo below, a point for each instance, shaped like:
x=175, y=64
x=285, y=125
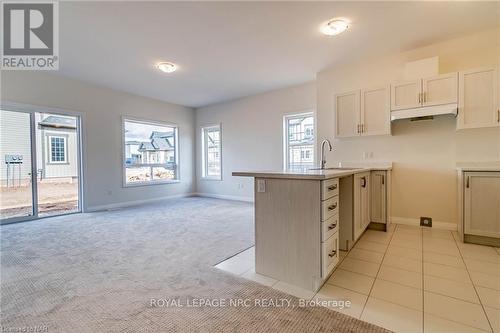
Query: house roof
x=58, y=122
x=156, y=134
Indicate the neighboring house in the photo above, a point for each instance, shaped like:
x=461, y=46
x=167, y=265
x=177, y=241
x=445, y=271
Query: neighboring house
x=56, y=143
x=301, y=141
x=57, y=137
x=160, y=149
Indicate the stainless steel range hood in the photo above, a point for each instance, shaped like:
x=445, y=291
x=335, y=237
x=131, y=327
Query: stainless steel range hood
x=427, y=111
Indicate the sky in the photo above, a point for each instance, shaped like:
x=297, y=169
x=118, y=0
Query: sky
x=141, y=131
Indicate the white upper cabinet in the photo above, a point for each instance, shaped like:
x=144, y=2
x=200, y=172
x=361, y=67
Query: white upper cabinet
x=436, y=90
x=363, y=112
x=441, y=89
x=478, y=99
x=347, y=114
x=406, y=95
x=375, y=111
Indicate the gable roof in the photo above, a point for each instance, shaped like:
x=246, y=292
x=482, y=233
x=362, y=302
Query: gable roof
x=58, y=122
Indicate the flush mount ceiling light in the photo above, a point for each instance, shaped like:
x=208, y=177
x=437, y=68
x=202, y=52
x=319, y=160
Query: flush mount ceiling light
x=334, y=27
x=166, y=67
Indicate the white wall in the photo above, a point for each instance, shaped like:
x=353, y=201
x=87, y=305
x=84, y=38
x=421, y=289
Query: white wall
x=102, y=110
x=424, y=153
x=252, y=136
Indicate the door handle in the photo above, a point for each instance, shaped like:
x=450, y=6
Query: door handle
x=383, y=179
x=467, y=184
x=363, y=184
x=498, y=116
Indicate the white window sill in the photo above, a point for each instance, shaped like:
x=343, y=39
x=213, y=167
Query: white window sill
x=212, y=178
x=154, y=182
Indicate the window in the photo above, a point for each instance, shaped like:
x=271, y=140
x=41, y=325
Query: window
x=212, y=152
x=150, y=153
x=57, y=153
x=299, y=140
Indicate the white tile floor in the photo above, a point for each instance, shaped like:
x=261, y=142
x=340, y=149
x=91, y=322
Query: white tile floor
x=410, y=279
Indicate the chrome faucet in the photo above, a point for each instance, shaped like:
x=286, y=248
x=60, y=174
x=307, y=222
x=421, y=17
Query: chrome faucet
x=323, y=161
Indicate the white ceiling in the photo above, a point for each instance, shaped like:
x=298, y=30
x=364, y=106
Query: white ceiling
x=227, y=50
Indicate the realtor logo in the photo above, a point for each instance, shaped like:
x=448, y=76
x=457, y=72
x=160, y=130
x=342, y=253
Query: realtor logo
x=30, y=35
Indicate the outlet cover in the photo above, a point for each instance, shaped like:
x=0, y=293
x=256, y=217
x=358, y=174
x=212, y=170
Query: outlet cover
x=261, y=185
x=426, y=221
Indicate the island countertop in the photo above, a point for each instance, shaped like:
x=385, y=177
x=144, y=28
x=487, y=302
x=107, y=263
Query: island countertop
x=314, y=174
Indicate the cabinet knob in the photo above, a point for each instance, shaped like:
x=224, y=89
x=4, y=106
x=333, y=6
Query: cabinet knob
x=332, y=207
x=332, y=254
x=332, y=226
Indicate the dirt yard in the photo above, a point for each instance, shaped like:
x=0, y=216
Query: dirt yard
x=53, y=198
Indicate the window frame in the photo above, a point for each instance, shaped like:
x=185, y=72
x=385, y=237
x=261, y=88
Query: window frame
x=49, y=144
x=176, y=152
x=204, y=152
x=286, y=136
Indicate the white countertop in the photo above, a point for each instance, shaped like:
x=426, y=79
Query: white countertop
x=478, y=166
x=306, y=173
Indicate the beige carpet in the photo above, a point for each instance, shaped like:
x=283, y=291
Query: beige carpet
x=99, y=272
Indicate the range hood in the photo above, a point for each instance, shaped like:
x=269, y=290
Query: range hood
x=426, y=111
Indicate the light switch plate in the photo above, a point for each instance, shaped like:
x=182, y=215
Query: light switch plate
x=261, y=185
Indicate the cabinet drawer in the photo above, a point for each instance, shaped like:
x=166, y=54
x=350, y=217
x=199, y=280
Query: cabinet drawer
x=329, y=254
x=329, y=227
x=329, y=188
x=329, y=208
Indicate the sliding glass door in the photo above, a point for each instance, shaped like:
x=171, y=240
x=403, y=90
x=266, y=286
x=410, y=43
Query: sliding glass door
x=41, y=165
x=16, y=191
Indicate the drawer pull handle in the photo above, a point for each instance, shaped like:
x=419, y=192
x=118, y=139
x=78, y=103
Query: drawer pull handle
x=332, y=187
x=332, y=226
x=332, y=254
x=332, y=207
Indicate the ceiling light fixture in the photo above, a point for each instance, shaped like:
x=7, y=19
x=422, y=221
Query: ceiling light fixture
x=167, y=67
x=334, y=27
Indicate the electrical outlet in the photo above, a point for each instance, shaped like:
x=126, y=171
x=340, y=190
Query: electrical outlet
x=261, y=185
x=426, y=221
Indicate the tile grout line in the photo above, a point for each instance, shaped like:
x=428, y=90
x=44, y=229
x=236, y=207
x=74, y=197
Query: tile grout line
x=474, y=286
x=371, y=289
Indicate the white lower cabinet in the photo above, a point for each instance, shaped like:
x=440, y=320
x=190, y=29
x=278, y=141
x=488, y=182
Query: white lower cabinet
x=380, y=198
x=329, y=255
x=361, y=203
x=482, y=204
x=329, y=226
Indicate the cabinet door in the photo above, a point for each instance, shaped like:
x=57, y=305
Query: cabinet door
x=482, y=203
x=365, y=200
x=375, y=111
x=361, y=203
x=478, y=104
x=378, y=197
x=441, y=89
x=406, y=95
x=347, y=114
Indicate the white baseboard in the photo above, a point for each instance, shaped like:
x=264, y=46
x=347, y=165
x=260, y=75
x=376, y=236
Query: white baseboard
x=416, y=222
x=135, y=202
x=224, y=197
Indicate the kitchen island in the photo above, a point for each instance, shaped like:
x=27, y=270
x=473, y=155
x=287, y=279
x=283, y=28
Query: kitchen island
x=303, y=217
